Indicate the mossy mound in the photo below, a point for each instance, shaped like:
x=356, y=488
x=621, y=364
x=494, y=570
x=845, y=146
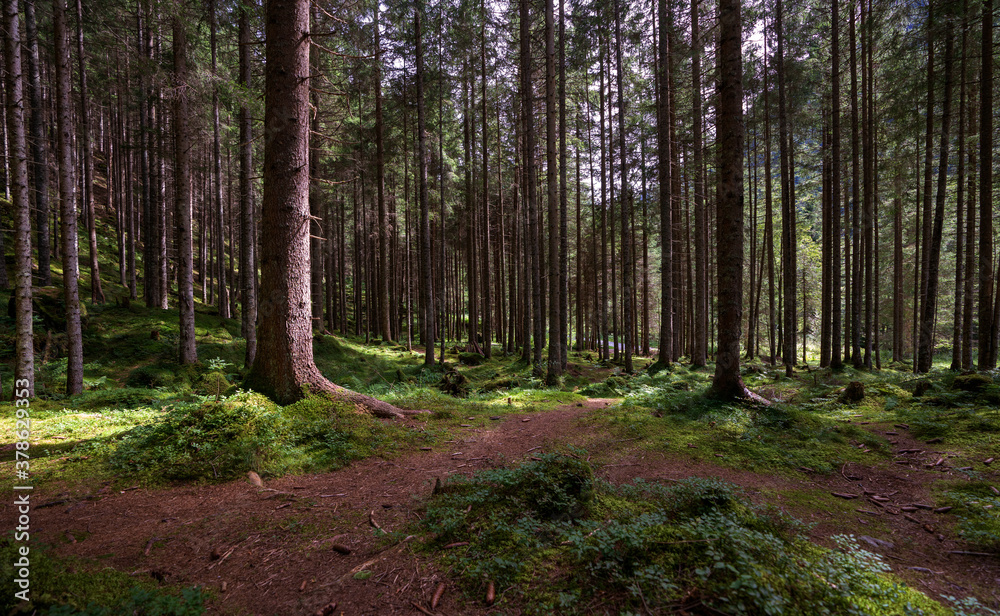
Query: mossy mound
x=971, y=382
x=471, y=359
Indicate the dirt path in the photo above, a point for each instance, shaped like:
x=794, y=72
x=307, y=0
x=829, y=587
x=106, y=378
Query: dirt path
x=273, y=548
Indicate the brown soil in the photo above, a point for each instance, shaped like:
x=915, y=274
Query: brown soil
x=273, y=547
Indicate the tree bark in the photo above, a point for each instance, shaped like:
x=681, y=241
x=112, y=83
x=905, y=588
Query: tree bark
x=182, y=196
x=530, y=182
x=628, y=280
x=24, y=351
x=39, y=148
x=67, y=199
x=788, y=243
x=487, y=292
x=987, y=327
x=426, y=279
x=957, y=350
x=552, y=200
x=835, y=184
x=96, y=292
x=564, y=337
x=248, y=239
x=699, y=352
x=727, y=382
x=383, y=231
x=663, y=154
x=926, y=347
x=220, y=243
x=284, y=368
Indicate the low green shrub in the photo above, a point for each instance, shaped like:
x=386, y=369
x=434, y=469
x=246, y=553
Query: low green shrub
x=78, y=587
x=978, y=512
x=697, y=545
x=221, y=440
x=142, y=602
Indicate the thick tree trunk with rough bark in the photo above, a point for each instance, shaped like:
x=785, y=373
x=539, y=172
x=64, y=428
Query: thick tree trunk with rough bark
x=987, y=327
x=727, y=382
x=663, y=155
x=24, y=351
x=284, y=365
x=182, y=196
x=552, y=199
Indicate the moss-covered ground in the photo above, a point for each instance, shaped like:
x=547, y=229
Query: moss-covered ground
x=548, y=534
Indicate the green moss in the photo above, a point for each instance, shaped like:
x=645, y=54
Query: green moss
x=77, y=587
x=649, y=547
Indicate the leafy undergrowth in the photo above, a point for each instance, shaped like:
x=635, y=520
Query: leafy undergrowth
x=551, y=539
x=76, y=587
x=977, y=506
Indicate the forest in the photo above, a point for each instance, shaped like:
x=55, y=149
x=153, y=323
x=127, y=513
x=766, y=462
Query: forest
x=534, y=307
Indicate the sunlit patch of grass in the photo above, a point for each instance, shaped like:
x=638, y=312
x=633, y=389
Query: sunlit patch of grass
x=778, y=437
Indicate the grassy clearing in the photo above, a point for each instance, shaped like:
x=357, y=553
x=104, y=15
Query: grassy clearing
x=807, y=426
x=550, y=538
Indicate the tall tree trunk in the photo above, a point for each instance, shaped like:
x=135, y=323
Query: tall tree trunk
x=426, y=280
x=628, y=275
x=580, y=338
x=897, y=267
x=788, y=242
x=835, y=184
x=987, y=326
x=699, y=354
x=867, y=99
x=563, y=196
x=727, y=382
x=284, y=366
x=67, y=199
x=486, y=222
x=970, y=252
x=316, y=226
x=248, y=239
x=926, y=348
x=182, y=196
x=957, y=350
x=769, y=222
x=220, y=243
x=856, y=230
x=925, y=240
x=39, y=148
x=664, y=171
x=383, y=222
x=24, y=351
x=96, y=292
x=552, y=200
x=530, y=183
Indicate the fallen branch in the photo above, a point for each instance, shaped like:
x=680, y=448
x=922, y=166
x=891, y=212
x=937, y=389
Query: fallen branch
x=964, y=553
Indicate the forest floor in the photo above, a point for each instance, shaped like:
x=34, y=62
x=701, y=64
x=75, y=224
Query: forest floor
x=270, y=549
